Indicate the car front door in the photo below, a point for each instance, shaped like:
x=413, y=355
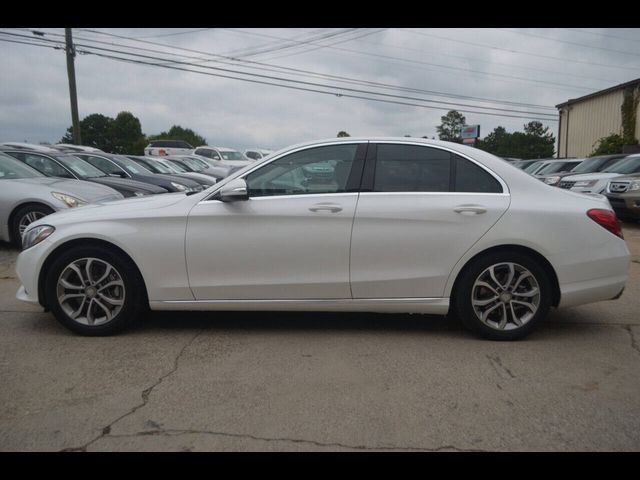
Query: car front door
x=421, y=208
x=289, y=240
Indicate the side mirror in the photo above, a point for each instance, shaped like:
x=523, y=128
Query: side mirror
x=234, y=191
x=118, y=175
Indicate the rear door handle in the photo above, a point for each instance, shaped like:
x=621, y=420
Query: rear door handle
x=470, y=209
x=326, y=207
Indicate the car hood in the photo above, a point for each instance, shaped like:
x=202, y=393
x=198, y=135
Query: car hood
x=88, y=191
x=590, y=176
x=628, y=178
x=125, y=208
x=129, y=184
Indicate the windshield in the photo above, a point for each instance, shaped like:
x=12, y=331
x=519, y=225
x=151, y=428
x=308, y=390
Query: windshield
x=81, y=168
x=195, y=165
x=176, y=165
x=231, y=155
x=557, y=167
x=590, y=165
x=11, y=168
x=133, y=167
x=157, y=166
x=533, y=167
x=625, y=165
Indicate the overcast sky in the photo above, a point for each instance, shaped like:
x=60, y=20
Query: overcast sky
x=541, y=67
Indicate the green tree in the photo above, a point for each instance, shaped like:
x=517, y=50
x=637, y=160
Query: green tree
x=342, y=133
x=126, y=135
x=177, y=132
x=535, y=142
x=451, y=125
x=96, y=132
x=608, y=145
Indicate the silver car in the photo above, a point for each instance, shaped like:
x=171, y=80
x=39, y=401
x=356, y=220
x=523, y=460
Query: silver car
x=26, y=196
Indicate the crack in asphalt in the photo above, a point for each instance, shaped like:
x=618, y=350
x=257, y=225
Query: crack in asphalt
x=634, y=342
x=177, y=432
x=496, y=363
x=145, y=399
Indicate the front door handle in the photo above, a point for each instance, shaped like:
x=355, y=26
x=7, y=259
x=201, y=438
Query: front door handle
x=470, y=209
x=326, y=207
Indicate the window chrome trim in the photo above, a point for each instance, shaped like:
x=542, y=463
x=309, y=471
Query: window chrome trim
x=268, y=160
x=505, y=188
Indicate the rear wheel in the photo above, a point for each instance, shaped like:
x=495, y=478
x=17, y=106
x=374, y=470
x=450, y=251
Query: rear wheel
x=94, y=291
x=503, y=296
x=25, y=216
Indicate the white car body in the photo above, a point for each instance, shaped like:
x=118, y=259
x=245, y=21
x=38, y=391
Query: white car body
x=160, y=148
x=219, y=156
x=352, y=251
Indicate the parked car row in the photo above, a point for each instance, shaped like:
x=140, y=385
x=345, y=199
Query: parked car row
x=615, y=176
x=80, y=175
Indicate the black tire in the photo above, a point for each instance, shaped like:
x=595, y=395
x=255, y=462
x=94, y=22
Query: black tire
x=134, y=290
x=30, y=209
x=462, y=307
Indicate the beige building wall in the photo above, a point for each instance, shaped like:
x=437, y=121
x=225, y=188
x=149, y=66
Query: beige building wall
x=588, y=121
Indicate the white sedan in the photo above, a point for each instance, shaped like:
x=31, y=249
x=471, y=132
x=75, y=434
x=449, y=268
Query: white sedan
x=375, y=225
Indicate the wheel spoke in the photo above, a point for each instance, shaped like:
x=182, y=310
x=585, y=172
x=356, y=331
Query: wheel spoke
x=112, y=301
x=66, y=297
x=486, y=285
x=76, y=269
x=104, y=275
x=70, y=286
x=534, y=291
x=103, y=307
x=113, y=283
x=512, y=273
x=486, y=313
x=492, y=274
x=530, y=306
x=503, y=320
x=515, y=317
x=77, y=312
x=90, y=317
x=87, y=269
x=485, y=302
x=522, y=277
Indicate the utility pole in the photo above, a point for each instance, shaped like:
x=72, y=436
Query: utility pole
x=71, y=72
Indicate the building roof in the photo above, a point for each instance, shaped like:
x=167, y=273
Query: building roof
x=601, y=92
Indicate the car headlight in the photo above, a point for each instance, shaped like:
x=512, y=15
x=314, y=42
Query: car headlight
x=178, y=186
x=35, y=235
x=552, y=180
x=68, y=200
x=634, y=186
x=585, y=183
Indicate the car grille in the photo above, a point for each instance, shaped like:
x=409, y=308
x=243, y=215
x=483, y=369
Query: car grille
x=566, y=184
x=618, y=187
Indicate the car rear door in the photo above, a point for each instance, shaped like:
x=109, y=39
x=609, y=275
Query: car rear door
x=420, y=209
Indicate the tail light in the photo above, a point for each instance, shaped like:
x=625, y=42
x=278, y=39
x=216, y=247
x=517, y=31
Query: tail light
x=606, y=219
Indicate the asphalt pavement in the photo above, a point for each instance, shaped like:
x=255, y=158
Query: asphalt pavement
x=286, y=381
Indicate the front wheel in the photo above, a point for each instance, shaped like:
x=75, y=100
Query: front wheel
x=503, y=296
x=94, y=291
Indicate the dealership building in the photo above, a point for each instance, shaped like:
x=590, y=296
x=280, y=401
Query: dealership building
x=585, y=120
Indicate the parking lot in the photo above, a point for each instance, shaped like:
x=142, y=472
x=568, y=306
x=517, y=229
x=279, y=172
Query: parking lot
x=286, y=381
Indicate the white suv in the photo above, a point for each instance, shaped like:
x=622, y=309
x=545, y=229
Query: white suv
x=597, y=182
x=167, y=147
x=223, y=156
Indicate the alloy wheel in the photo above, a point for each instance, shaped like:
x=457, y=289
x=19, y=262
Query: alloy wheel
x=90, y=291
x=505, y=296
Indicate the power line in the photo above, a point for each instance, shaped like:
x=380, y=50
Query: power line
x=310, y=73
x=176, y=33
x=603, y=35
x=565, y=60
x=306, y=88
x=309, y=89
x=397, y=59
x=569, y=42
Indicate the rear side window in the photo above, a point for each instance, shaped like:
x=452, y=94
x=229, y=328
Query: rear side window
x=170, y=144
x=471, y=178
x=411, y=168
x=103, y=164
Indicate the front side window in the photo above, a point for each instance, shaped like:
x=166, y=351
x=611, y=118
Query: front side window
x=315, y=170
x=43, y=164
x=231, y=155
x=411, y=168
x=103, y=164
x=11, y=168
